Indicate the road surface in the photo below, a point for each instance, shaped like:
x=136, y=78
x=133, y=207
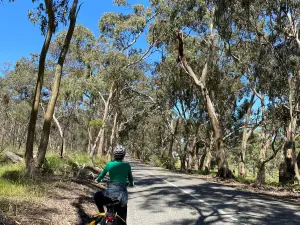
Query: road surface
x=161, y=197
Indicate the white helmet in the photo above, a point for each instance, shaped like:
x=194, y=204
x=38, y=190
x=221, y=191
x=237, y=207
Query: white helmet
x=119, y=152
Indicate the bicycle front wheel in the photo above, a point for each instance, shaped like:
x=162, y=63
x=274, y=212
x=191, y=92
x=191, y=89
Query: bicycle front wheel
x=119, y=220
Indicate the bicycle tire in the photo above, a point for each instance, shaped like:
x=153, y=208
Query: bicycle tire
x=119, y=220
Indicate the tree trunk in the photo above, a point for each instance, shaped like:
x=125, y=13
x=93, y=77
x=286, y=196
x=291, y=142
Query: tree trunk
x=288, y=168
x=101, y=143
x=218, y=140
x=260, y=179
x=173, y=134
x=38, y=90
x=208, y=161
x=196, y=159
x=246, y=134
x=223, y=170
x=264, y=143
x=105, y=116
x=114, y=132
x=261, y=174
x=90, y=140
x=202, y=160
x=15, y=158
x=182, y=163
x=55, y=88
x=62, y=136
x=182, y=156
x=95, y=143
x=192, y=154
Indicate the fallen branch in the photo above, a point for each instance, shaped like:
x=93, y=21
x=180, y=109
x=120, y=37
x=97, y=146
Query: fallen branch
x=15, y=158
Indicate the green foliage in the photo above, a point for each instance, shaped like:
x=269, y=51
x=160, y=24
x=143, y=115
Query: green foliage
x=163, y=161
x=254, y=47
x=121, y=2
x=14, y=183
x=97, y=123
x=38, y=15
x=72, y=165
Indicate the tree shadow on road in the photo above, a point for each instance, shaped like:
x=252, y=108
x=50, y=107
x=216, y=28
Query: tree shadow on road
x=214, y=203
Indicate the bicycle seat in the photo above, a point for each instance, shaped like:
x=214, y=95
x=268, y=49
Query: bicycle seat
x=114, y=203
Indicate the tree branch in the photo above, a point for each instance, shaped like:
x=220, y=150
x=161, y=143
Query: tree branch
x=256, y=93
x=144, y=56
x=102, y=97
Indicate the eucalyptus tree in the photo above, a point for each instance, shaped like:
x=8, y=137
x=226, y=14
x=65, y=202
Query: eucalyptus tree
x=78, y=68
x=121, y=62
x=272, y=26
x=190, y=25
x=48, y=22
x=56, y=85
x=48, y=15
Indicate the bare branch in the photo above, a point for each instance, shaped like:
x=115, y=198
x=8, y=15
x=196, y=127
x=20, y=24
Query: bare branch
x=133, y=42
x=256, y=93
x=139, y=34
x=295, y=110
x=144, y=56
x=275, y=151
x=102, y=97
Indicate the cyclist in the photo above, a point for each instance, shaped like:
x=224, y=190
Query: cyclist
x=119, y=172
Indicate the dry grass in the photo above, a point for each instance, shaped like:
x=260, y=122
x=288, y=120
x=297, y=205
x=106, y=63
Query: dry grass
x=61, y=195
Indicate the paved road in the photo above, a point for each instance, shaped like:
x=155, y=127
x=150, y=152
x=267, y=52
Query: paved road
x=161, y=197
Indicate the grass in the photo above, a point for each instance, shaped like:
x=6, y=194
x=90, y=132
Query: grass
x=14, y=183
x=248, y=179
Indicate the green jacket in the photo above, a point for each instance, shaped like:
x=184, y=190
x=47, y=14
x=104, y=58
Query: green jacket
x=118, y=172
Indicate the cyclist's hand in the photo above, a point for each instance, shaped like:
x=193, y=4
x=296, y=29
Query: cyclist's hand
x=96, y=180
x=130, y=185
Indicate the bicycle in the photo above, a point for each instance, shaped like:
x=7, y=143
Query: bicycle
x=110, y=217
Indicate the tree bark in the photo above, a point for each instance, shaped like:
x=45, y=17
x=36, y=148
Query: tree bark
x=90, y=141
x=183, y=157
x=114, y=132
x=62, y=136
x=192, y=153
x=38, y=89
x=246, y=134
x=208, y=154
x=208, y=161
x=288, y=168
x=55, y=89
x=107, y=104
x=196, y=159
x=100, y=137
x=15, y=158
x=95, y=143
x=261, y=174
x=264, y=144
x=202, y=159
x=173, y=134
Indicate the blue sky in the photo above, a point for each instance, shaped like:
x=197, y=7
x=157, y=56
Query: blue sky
x=19, y=37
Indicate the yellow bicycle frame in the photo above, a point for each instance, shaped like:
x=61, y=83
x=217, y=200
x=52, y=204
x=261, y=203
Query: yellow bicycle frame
x=95, y=216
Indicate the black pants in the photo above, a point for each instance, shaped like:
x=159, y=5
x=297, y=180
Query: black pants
x=102, y=200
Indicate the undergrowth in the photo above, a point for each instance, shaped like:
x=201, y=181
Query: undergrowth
x=14, y=183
